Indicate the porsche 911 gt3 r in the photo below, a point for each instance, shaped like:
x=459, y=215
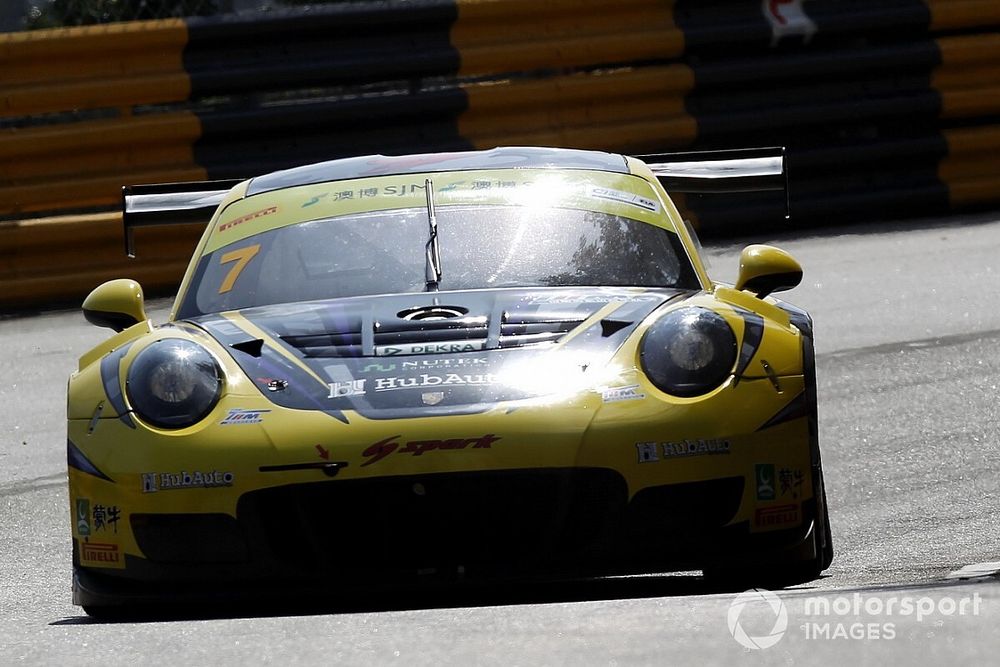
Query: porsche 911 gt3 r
x=482, y=364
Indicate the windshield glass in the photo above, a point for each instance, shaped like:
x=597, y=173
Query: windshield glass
x=481, y=247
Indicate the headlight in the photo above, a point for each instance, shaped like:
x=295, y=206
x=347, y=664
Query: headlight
x=688, y=352
x=173, y=383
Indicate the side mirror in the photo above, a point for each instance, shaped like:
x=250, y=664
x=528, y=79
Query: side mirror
x=765, y=269
x=117, y=304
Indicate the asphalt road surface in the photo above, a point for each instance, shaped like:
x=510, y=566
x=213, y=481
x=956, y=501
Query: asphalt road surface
x=908, y=325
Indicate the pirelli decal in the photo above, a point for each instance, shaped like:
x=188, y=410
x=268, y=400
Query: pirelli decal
x=101, y=554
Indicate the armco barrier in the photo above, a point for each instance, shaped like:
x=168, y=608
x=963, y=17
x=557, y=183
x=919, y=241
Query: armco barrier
x=889, y=108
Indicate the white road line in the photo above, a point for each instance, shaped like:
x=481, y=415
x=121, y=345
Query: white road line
x=976, y=571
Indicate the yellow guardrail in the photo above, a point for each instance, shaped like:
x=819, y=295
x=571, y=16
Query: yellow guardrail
x=86, y=110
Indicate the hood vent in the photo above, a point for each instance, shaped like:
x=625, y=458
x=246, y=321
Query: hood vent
x=431, y=328
x=520, y=329
x=430, y=325
x=335, y=344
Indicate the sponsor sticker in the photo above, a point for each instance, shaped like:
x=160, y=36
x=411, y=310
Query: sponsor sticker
x=106, y=517
x=101, y=554
x=425, y=364
x=240, y=416
x=171, y=481
x=425, y=380
x=653, y=451
x=578, y=299
x=347, y=389
x=790, y=481
x=247, y=218
x=764, y=474
x=429, y=348
x=623, y=197
x=383, y=448
x=775, y=517
x=82, y=517
x=615, y=394
x=648, y=452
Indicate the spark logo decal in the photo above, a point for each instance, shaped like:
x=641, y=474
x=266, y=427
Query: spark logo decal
x=383, y=448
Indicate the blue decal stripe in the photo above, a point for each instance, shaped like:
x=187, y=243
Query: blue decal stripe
x=111, y=380
x=76, y=459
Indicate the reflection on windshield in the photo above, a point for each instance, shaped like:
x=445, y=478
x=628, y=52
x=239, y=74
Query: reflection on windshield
x=481, y=247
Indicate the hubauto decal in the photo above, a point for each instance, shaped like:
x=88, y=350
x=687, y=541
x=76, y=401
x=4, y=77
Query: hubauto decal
x=427, y=380
x=383, y=448
x=169, y=481
x=653, y=451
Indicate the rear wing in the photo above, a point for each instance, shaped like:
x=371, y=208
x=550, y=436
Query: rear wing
x=170, y=204
x=739, y=170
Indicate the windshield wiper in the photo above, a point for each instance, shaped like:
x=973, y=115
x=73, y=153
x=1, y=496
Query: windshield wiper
x=432, y=270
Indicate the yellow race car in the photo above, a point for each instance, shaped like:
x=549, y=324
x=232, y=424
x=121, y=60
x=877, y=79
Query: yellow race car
x=505, y=363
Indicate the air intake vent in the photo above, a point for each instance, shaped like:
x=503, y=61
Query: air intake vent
x=520, y=329
x=339, y=344
x=432, y=329
x=429, y=327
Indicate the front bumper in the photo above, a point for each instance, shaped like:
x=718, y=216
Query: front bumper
x=385, y=531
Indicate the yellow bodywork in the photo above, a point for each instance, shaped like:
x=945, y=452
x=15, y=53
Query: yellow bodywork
x=576, y=423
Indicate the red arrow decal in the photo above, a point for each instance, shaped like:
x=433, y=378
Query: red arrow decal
x=322, y=452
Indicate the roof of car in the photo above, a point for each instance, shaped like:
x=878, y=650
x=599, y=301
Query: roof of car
x=384, y=165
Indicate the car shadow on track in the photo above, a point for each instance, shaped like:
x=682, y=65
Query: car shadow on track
x=452, y=595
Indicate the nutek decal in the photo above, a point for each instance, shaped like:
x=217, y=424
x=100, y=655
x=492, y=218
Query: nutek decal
x=772, y=517
x=346, y=388
x=764, y=474
x=623, y=197
x=240, y=416
x=247, y=218
x=171, y=481
x=426, y=380
x=615, y=394
x=673, y=450
x=383, y=448
x=105, y=554
x=430, y=348
x=447, y=362
x=417, y=364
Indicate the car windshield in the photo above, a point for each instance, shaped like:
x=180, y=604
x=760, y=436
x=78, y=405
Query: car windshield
x=384, y=252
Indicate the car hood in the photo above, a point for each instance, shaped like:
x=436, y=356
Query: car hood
x=407, y=355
